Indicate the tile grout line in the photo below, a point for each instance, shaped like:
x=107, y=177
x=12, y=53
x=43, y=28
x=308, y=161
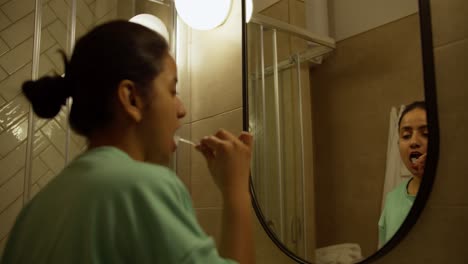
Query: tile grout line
x=451, y=43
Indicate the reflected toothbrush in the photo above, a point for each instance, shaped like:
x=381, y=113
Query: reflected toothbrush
x=186, y=141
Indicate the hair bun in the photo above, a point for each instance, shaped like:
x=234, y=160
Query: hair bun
x=47, y=95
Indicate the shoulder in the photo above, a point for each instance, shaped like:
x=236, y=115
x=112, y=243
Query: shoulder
x=395, y=196
x=148, y=181
x=108, y=172
x=398, y=191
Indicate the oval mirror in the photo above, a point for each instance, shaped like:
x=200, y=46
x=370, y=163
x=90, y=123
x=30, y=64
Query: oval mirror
x=343, y=160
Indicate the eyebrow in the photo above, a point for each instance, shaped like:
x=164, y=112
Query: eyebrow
x=411, y=128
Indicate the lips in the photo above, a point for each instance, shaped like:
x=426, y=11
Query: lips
x=414, y=156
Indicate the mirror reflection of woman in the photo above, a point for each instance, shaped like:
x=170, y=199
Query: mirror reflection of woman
x=413, y=136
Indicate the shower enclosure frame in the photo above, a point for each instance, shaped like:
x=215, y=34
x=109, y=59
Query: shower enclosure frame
x=319, y=46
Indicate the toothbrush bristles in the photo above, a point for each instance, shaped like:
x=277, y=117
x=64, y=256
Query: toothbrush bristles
x=187, y=141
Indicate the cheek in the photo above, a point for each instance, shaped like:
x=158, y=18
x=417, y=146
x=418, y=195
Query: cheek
x=425, y=143
x=403, y=148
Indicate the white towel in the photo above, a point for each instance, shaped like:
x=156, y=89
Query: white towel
x=395, y=170
x=346, y=253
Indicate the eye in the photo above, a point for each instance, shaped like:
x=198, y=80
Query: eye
x=406, y=136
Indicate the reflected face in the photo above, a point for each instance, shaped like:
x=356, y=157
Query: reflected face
x=162, y=116
x=413, y=140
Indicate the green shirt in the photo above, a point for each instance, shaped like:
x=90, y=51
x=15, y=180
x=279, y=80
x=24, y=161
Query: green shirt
x=397, y=205
x=108, y=208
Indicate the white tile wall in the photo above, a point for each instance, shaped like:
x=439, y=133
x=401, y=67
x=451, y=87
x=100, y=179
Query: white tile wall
x=19, y=31
x=53, y=159
x=11, y=138
x=13, y=111
x=16, y=9
x=55, y=134
x=11, y=190
x=17, y=57
x=16, y=41
x=2, y=245
x=60, y=8
x=80, y=29
x=46, y=67
x=11, y=87
x=38, y=169
x=103, y=7
x=42, y=182
x=47, y=41
x=3, y=47
x=79, y=140
x=8, y=216
x=3, y=74
x=2, y=2
x=59, y=31
x=48, y=16
x=40, y=143
x=12, y=163
x=84, y=14
x=34, y=190
x=55, y=57
x=4, y=21
x=109, y=16
x=62, y=118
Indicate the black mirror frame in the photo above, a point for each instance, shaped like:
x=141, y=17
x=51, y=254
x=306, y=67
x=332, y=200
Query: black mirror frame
x=427, y=48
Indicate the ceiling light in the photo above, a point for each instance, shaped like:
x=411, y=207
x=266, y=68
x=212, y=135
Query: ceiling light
x=203, y=14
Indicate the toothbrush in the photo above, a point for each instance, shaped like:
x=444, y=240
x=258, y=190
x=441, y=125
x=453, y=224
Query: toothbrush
x=177, y=139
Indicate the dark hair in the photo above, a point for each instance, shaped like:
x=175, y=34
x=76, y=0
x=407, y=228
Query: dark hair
x=410, y=107
x=109, y=53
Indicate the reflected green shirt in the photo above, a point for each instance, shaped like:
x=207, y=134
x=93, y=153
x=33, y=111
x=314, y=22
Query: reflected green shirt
x=108, y=208
x=398, y=203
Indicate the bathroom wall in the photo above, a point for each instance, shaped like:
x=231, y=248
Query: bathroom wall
x=440, y=235
x=352, y=93
x=210, y=85
x=349, y=18
x=16, y=48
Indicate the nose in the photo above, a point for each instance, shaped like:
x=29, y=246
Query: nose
x=181, y=112
x=415, y=142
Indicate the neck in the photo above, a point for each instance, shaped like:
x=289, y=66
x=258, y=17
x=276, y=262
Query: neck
x=124, y=141
x=413, y=186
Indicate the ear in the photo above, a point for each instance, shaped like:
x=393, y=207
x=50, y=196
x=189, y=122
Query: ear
x=130, y=100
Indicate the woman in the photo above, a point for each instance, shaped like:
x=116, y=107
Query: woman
x=118, y=202
x=413, y=133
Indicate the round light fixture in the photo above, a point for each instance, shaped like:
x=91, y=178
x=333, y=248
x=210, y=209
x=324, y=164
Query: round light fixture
x=152, y=22
x=203, y=14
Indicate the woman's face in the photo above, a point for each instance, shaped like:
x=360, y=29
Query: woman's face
x=413, y=140
x=162, y=117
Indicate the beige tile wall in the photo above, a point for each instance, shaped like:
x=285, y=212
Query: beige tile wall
x=211, y=89
x=440, y=235
x=352, y=94
x=16, y=47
